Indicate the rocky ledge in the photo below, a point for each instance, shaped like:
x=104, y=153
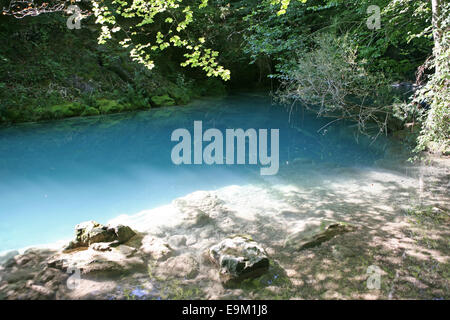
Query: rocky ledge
x=91, y=233
x=198, y=252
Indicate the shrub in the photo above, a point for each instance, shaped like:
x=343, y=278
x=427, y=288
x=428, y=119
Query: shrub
x=329, y=81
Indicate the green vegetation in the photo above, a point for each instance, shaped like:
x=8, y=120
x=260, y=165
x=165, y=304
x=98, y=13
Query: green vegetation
x=164, y=100
x=321, y=53
x=49, y=72
x=340, y=87
x=428, y=214
x=435, y=132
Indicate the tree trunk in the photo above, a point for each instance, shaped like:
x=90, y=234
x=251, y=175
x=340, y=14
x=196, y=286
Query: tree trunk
x=437, y=31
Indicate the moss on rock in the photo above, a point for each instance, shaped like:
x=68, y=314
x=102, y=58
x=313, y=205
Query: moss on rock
x=314, y=235
x=109, y=106
x=59, y=111
x=163, y=100
x=90, y=111
x=66, y=110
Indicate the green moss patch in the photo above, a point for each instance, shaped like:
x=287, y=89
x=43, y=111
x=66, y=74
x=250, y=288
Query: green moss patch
x=65, y=110
x=90, y=111
x=163, y=100
x=109, y=106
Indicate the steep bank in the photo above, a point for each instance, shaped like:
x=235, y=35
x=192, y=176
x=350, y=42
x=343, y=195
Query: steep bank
x=50, y=72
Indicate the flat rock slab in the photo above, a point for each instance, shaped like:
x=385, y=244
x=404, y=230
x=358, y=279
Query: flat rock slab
x=117, y=261
x=239, y=258
x=315, y=234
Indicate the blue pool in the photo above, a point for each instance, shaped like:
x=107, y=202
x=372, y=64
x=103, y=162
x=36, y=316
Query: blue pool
x=56, y=174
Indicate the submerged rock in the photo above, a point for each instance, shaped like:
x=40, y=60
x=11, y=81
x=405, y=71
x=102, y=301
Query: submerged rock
x=156, y=248
x=177, y=241
x=42, y=291
x=196, y=218
x=91, y=232
x=8, y=255
x=199, y=209
x=25, y=277
x=239, y=258
x=314, y=235
x=341, y=252
x=183, y=266
x=117, y=261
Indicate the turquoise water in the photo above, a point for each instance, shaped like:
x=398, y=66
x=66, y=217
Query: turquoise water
x=54, y=175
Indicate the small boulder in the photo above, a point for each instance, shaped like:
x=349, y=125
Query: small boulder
x=239, y=258
x=196, y=218
x=127, y=251
x=123, y=233
x=44, y=292
x=82, y=231
x=157, y=248
x=177, y=241
x=91, y=232
x=118, y=261
x=100, y=234
x=341, y=252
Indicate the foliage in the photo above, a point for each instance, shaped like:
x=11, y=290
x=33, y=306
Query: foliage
x=329, y=81
x=43, y=64
x=172, y=19
x=435, y=134
x=269, y=36
x=393, y=50
x=428, y=214
x=255, y=38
